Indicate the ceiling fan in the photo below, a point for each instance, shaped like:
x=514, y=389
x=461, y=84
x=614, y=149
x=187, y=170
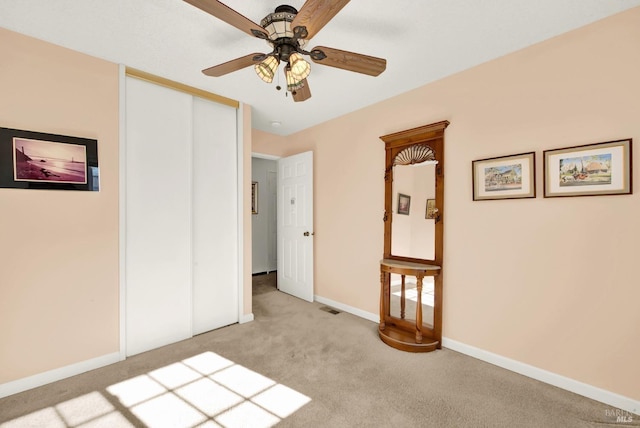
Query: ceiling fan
x=287, y=31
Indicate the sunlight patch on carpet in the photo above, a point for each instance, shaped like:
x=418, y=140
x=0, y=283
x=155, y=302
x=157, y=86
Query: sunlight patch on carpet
x=205, y=390
x=91, y=410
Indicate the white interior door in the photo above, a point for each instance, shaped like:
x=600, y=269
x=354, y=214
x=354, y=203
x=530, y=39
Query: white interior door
x=295, y=225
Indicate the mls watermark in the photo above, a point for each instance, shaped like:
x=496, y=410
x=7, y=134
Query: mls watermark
x=620, y=416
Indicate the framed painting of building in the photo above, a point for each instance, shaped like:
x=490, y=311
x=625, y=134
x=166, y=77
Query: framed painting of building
x=504, y=177
x=589, y=170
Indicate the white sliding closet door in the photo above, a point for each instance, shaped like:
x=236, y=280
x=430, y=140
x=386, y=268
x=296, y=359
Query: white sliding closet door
x=215, y=216
x=181, y=175
x=158, y=216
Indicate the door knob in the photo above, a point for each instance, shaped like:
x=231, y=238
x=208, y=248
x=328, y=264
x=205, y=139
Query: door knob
x=307, y=234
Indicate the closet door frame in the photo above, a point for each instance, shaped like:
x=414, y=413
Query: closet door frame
x=126, y=73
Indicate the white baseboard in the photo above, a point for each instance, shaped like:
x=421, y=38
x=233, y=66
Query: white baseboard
x=346, y=308
x=245, y=318
x=40, y=379
x=554, y=379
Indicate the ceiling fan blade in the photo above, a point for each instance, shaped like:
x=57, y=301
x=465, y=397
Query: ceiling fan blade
x=233, y=65
x=316, y=13
x=349, y=61
x=303, y=93
x=230, y=16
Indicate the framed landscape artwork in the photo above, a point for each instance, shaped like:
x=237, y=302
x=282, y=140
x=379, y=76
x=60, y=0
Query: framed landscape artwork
x=505, y=177
x=254, y=197
x=594, y=169
x=404, y=204
x=35, y=160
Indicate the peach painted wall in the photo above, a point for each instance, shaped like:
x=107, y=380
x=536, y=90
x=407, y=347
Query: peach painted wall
x=266, y=143
x=59, y=252
x=549, y=282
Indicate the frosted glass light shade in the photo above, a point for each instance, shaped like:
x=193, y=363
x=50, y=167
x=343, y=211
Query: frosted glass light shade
x=267, y=68
x=299, y=67
x=293, y=82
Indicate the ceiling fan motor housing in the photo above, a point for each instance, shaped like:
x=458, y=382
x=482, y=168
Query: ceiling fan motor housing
x=287, y=8
x=278, y=23
x=285, y=40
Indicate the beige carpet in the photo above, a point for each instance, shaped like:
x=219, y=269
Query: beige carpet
x=297, y=365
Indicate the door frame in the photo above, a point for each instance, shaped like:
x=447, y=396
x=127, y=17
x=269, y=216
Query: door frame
x=276, y=158
x=249, y=243
x=242, y=147
x=267, y=157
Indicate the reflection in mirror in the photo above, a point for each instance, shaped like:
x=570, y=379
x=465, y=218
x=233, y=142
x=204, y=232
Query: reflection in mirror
x=412, y=233
x=411, y=299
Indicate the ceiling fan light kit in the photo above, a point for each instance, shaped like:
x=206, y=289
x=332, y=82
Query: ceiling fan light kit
x=293, y=82
x=288, y=31
x=299, y=67
x=278, y=24
x=266, y=69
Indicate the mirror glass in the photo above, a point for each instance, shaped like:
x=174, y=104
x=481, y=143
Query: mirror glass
x=413, y=235
x=414, y=191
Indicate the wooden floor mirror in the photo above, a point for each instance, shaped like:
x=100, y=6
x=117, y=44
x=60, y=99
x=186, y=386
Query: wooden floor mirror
x=411, y=270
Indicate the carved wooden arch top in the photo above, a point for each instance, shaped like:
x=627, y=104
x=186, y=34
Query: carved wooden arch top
x=414, y=155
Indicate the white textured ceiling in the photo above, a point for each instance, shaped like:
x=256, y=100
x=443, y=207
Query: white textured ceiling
x=422, y=40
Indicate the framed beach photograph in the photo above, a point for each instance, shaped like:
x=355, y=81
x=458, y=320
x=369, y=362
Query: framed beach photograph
x=589, y=170
x=254, y=197
x=35, y=160
x=504, y=177
x=404, y=204
x=49, y=161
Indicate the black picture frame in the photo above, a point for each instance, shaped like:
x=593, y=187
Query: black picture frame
x=52, y=162
x=404, y=204
x=254, y=197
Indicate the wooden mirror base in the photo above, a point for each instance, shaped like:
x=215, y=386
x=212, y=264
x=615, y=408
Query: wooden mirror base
x=405, y=341
x=400, y=333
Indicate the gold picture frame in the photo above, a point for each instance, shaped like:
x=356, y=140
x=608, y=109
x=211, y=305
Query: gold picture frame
x=431, y=209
